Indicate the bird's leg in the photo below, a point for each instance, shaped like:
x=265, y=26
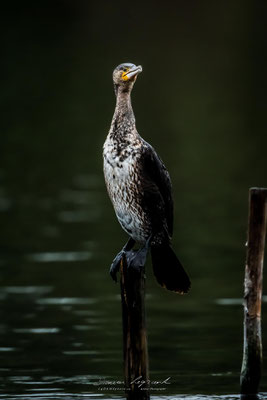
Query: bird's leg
x=115, y=266
x=137, y=259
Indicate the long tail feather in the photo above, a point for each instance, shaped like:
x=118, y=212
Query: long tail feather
x=168, y=270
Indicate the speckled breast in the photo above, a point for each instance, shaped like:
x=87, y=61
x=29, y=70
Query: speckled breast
x=121, y=171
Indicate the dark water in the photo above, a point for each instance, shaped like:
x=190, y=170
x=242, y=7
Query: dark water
x=199, y=101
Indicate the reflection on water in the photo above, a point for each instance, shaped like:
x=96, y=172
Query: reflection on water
x=235, y=302
x=65, y=300
x=37, y=290
x=60, y=326
x=86, y=339
x=69, y=256
x=7, y=349
x=37, y=330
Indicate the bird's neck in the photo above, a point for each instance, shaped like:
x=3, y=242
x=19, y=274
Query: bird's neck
x=123, y=102
x=123, y=122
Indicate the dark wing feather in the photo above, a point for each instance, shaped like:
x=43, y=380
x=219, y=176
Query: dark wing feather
x=158, y=185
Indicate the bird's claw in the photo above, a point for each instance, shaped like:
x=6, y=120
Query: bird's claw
x=132, y=258
x=115, y=266
x=137, y=259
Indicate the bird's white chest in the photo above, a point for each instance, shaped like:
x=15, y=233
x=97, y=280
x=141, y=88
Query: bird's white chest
x=122, y=176
x=119, y=169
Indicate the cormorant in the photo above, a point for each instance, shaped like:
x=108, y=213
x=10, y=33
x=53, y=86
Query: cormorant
x=139, y=187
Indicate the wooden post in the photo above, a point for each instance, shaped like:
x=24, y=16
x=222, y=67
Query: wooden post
x=134, y=332
x=252, y=351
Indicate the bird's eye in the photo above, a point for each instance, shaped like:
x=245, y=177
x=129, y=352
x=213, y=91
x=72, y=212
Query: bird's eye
x=123, y=68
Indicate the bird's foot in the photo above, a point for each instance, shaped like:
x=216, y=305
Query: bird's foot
x=115, y=266
x=133, y=260
x=137, y=259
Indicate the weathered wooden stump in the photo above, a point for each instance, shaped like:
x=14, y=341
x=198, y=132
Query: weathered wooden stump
x=134, y=332
x=252, y=352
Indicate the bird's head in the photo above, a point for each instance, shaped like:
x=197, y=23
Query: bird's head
x=124, y=76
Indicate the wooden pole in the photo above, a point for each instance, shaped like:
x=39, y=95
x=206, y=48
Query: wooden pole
x=252, y=351
x=134, y=332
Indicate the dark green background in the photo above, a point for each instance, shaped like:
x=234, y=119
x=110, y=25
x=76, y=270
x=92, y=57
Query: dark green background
x=201, y=102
